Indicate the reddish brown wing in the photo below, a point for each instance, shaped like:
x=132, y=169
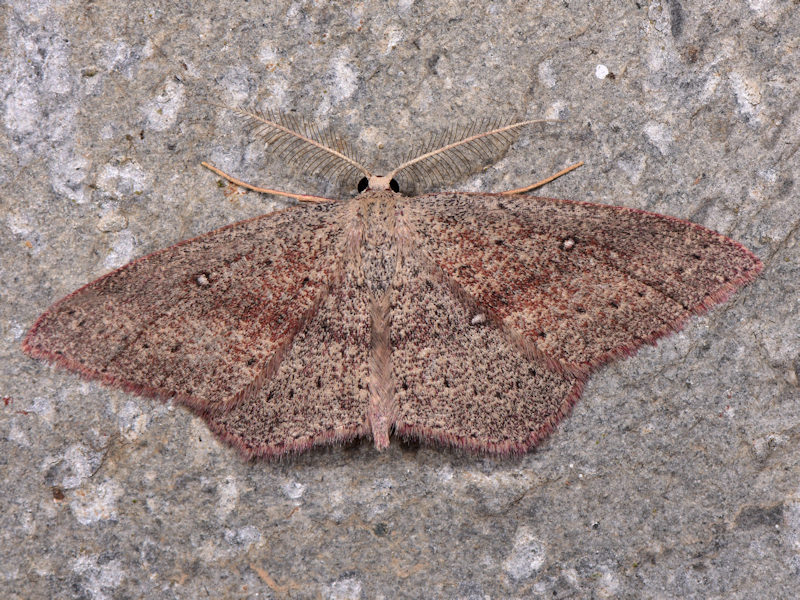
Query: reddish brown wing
x=459, y=379
x=201, y=320
x=580, y=282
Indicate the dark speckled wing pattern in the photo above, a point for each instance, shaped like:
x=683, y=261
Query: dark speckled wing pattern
x=206, y=320
x=577, y=284
x=471, y=320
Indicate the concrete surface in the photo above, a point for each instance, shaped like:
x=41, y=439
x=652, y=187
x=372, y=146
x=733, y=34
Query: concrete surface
x=678, y=474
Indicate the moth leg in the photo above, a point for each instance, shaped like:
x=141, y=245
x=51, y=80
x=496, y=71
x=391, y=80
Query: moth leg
x=299, y=197
x=522, y=190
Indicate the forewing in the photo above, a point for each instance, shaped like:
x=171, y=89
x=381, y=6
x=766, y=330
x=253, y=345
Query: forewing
x=580, y=282
x=460, y=380
x=202, y=320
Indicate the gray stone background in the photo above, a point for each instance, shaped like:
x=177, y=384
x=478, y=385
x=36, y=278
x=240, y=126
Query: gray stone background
x=678, y=474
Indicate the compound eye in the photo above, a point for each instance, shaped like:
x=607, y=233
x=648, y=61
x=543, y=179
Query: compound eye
x=363, y=184
x=394, y=186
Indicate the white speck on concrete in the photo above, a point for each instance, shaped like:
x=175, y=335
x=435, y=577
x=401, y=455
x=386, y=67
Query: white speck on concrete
x=571, y=576
x=770, y=174
x=97, y=503
x=120, y=57
x=546, y=75
x=67, y=176
x=162, y=111
x=202, y=442
x=633, y=167
x=76, y=464
x=445, y=472
x=107, y=132
x=37, y=91
x=121, y=251
x=655, y=55
x=527, y=555
x=22, y=112
x=555, y=110
x=608, y=585
x=132, y=420
x=760, y=6
x=274, y=80
x=660, y=45
x=155, y=505
x=393, y=36
x=601, y=71
x=235, y=87
x=18, y=435
x=475, y=184
x=710, y=87
x=335, y=503
x=123, y=178
x=267, y=54
x=245, y=536
x=539, y=588
x=404, y=5
x=18, y=225
x=658, y=17
x=344, y=78
x=293, y=489
x=56, y=68
x=111, y=220
x=16, y=330
x=44, y=408
x=228, y=497
x=764, y=446
x=660, y=136
x=344, y=589
x=748, y=93
x=98, y=579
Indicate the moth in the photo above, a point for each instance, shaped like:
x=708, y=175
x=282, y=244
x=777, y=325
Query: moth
x=470, y=320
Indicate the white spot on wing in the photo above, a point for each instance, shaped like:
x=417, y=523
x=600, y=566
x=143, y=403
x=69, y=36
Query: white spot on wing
x=478, y=319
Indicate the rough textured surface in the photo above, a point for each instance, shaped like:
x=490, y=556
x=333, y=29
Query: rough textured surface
x=676, y=475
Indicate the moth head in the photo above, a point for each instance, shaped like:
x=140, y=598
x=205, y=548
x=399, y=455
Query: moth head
x=378, y=182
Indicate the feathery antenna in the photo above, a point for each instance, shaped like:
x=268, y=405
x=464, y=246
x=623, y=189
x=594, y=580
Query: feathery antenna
x=459, y=151
x=299, y=142
x=445, y=157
